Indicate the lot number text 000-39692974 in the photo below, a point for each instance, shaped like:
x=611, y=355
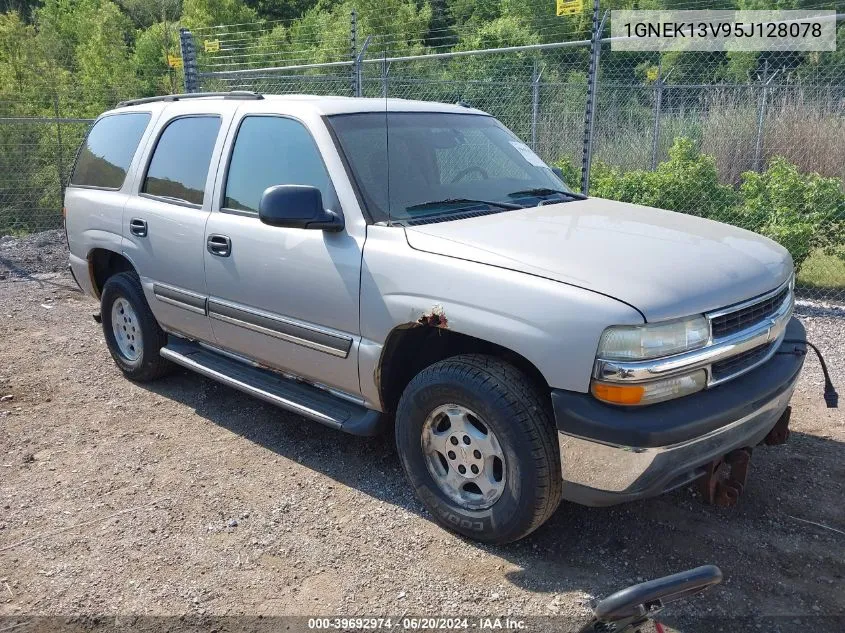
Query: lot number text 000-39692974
x=408, y=623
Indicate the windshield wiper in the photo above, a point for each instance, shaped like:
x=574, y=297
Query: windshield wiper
x=545, y=191
x=467, y=201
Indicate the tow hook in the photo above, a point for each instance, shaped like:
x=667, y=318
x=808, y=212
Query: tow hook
x=780, y=432
x=723, y=482
x=725, y=478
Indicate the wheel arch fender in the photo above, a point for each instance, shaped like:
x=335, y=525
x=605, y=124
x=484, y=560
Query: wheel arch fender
x=556, y=348
x=555, y=327
x=103, y=263
x=411, y=347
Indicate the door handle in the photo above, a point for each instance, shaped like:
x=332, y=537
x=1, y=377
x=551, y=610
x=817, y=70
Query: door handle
x=219, y=245
x=138, y=227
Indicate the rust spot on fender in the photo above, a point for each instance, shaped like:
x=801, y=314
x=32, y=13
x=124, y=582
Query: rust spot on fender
x=436, y=317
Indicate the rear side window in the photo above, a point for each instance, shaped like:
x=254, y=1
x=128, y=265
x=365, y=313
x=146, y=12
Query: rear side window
x=180, y=162
x=108, y=150
x=272, y=151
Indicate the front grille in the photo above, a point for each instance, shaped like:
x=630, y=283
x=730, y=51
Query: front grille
x=747, y=317
x=736, y=364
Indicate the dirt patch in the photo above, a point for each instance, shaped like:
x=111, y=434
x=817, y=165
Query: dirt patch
x=23, y=257
x=186, y=497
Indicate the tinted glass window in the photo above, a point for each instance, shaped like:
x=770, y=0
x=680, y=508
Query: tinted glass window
x=272, y=151
x=181, y=159
x=108, y=150
x=416, y=165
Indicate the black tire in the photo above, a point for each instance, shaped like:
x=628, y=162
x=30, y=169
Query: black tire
x=149, y=365
x=516, y=411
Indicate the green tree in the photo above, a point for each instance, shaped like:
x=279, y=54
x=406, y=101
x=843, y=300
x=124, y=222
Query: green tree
x=149, y=59
x=90, y=40
x=280, y=9
x=201, y=13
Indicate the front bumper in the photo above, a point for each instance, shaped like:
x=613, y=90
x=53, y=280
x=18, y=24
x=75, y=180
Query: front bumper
x=614, y=454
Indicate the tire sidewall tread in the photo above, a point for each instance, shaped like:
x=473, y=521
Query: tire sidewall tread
x=517, y=411
x=150, y=365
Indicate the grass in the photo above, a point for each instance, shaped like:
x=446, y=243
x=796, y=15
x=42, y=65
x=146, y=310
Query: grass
x=822, y=271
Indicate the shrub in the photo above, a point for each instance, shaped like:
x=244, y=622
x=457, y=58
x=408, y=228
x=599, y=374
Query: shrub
x=687, y=182
x=571, y=174
x=799, y=211
x=802, y=212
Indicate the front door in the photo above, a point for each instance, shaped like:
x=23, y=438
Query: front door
x=164, y=224
x=287, y=298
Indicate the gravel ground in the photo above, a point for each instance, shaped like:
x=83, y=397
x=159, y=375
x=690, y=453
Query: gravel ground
x=21, y=257
x=186, y=497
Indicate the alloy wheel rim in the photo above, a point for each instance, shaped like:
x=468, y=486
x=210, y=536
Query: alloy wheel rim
x=464, y=457
x=127, y=329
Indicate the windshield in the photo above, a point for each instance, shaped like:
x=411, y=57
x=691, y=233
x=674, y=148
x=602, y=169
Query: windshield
x=415, y=165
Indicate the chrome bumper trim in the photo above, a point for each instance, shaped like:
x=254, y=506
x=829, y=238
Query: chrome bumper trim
x=600, y=474
x=769, y=331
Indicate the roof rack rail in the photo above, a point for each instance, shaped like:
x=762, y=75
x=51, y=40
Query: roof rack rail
x=233, y=94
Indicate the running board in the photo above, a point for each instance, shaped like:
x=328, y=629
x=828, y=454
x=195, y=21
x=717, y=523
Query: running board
x=298, y=397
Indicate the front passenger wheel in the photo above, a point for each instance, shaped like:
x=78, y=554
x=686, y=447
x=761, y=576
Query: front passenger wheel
x=478, y=444
x=132, y=333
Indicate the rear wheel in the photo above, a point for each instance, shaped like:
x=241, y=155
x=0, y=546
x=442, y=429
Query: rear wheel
x=479, y=447
x=132, y=333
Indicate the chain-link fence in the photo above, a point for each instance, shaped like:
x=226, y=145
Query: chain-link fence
x=36, y=155
x=753, y=140
x=756, y=140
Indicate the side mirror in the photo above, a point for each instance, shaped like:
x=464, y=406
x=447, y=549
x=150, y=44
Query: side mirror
x=557, y=171
x=297, y=207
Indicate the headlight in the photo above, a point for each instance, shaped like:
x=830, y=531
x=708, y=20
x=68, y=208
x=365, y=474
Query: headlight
x=649, y=392
x=652, y=340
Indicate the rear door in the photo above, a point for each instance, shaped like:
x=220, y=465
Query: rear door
x=286, y=297
x=164, y=223
x=98, y=191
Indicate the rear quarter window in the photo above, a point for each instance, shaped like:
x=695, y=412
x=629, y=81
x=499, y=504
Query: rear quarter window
x=180, y=162
x=108, y=150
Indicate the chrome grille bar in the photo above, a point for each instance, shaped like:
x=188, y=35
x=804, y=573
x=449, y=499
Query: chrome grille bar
x=742, y=316
x=764, y=333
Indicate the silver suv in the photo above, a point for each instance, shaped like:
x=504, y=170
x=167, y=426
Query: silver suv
x=367, y=263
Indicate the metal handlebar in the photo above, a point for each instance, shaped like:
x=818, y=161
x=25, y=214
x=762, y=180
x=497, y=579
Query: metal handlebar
x=635, y=600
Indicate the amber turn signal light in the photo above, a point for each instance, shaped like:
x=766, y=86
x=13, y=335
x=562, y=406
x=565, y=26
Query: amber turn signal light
x=618, y=394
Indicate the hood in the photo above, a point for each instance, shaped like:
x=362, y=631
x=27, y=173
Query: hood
x=665, y=264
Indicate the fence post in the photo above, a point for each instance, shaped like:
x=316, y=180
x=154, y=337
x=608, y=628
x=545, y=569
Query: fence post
x=658, y=102
x=189, y=60
x=357, y=69
x=59, y=148
x=761, y=117
x=592, y=87
x=353, y=51
x=535, y=101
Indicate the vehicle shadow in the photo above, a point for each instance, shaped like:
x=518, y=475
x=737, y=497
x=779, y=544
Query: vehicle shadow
x=601, y=550
x=11, y=272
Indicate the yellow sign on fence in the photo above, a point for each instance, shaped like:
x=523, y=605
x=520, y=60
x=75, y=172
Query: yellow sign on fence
x=212, y=46
x=174, y=62
x=570, y=7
